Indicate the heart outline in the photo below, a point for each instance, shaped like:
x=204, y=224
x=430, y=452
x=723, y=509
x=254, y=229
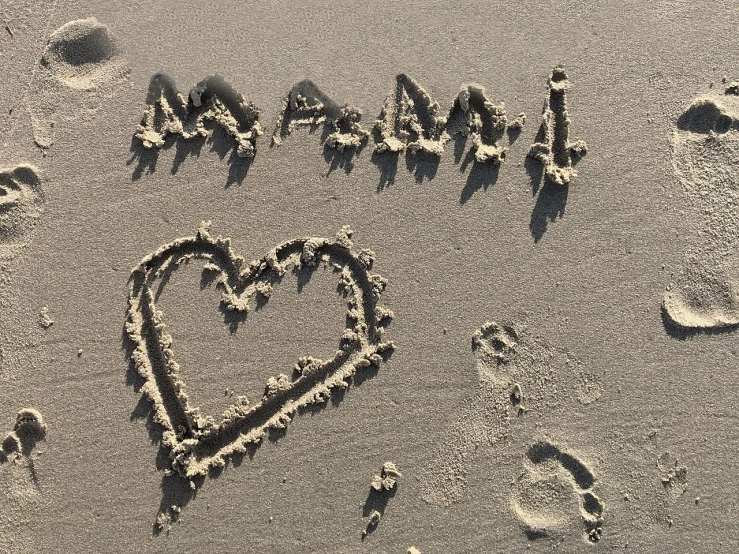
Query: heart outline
x=195, y=443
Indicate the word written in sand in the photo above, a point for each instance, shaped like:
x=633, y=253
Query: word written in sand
x=410, y=121
x=197, y=442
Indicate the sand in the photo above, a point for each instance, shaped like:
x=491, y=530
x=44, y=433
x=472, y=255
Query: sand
x=340, y=277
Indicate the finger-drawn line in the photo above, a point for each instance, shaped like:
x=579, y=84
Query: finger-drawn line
x=196, y=442
x=556, y=152
x=307, y=105
x=212, y=99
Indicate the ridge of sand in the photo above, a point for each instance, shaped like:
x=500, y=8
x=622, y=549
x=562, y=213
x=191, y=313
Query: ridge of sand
x=212, y=99
x=307, y=105
x=554, y=149
x=410, y=120
x=474, y=114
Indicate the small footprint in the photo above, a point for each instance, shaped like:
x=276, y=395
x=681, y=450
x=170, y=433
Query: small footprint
x=21, y=201
x=520, y=377
x=484, y=419
x=20, y=496
x=704, y=296
x=552, y=483
x=674, y=477
x=81, y=55
x=16, y=453
x=28, y=430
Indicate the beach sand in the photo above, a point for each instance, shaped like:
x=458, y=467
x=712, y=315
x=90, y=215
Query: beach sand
x=340, y=277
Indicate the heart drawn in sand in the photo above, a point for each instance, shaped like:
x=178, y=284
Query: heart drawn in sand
x=196, y=442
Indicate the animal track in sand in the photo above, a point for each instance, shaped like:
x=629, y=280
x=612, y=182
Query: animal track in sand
x=554, y=481
x=704, y=295
x=197, y=442
x=520, y=377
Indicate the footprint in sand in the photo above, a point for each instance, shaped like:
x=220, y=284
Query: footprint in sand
x=28, y=430
x=520, y=378
x=81, y=55
x=553, y=486
x=705, y=158
x=20, y=206
x=18, y=479
x=673, y=476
